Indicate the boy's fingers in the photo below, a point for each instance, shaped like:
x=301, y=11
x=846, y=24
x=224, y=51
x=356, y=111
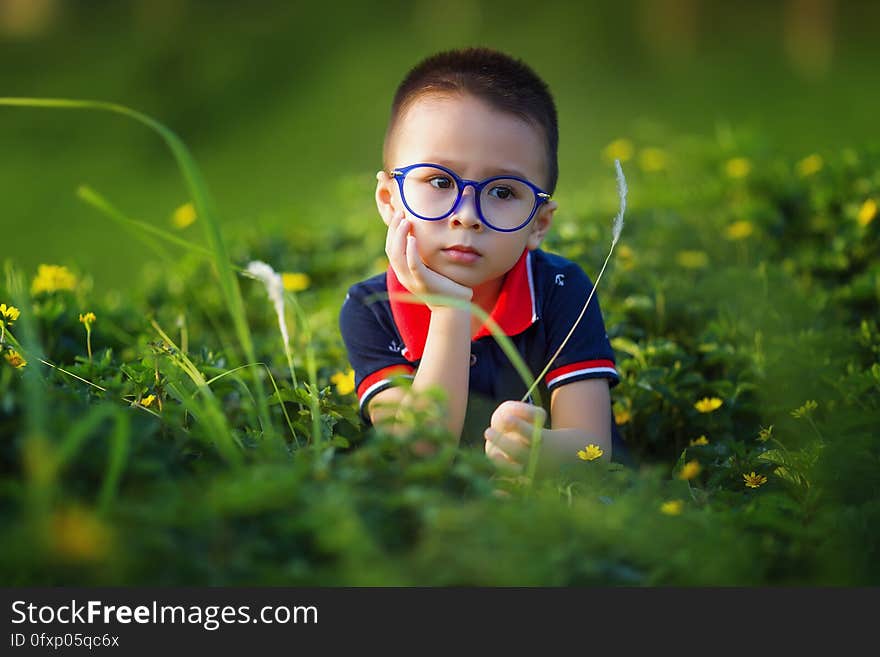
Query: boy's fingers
x=416, y=266
x=391, y=224
x=396, y=218
x=513, y=445
x=502, y=460
x=527, y=412
x=392, y=230
x=509, y=435
x=524, y=428
x=509, y=423
x=397, y=252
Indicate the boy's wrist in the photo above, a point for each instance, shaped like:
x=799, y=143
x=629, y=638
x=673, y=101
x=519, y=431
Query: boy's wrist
x=458, y=304
x=450, y=313
x=454, y=323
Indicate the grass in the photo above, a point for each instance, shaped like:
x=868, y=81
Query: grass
x=240, y=470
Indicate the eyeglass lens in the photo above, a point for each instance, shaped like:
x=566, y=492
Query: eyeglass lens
x=505, y=202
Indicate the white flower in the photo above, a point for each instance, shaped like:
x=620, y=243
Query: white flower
x=621, y=191
x=275, y=289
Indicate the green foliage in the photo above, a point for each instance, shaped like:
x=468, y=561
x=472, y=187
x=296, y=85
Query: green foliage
x=156, y=460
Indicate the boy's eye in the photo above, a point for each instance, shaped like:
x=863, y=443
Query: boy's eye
x=441, y=182
x=502, y=192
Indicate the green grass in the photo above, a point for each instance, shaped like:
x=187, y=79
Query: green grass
x=249, y=469
x=240, y=471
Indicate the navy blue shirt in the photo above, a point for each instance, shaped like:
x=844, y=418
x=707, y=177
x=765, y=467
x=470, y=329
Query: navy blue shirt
x=540, y=299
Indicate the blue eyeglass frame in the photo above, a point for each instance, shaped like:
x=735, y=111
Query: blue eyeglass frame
x=541, y=196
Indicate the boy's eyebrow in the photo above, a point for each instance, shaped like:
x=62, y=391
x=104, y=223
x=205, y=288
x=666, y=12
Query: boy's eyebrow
x=494, y=171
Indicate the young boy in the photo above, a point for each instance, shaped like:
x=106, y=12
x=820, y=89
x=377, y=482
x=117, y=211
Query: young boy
x=470, y=165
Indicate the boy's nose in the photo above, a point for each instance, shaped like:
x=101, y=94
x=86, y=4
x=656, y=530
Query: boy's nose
x=465, y=213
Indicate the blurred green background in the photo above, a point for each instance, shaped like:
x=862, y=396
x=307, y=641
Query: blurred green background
x=284, y=104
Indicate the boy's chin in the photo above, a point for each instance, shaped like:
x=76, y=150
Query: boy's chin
x=469, y=277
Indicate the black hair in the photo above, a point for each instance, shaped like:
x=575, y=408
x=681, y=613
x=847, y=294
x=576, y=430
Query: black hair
x=504, y=83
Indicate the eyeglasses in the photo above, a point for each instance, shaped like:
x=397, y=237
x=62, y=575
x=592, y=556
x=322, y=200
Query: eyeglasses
x=504, y=203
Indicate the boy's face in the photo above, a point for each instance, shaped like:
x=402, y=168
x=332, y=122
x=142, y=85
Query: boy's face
x=475, y=141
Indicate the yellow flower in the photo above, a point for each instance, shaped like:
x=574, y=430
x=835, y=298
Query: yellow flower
x=626, y=256
x=77, y=534
x=149, y=399
x=88, y=319
x=690, y=470
x=737, y=167
x=653, y=159
x=692, y=259
x=590, y=453
x=295, y=281
x=344, y=382
x=622, y=415
x=805, y=410
x=619, y=149
x=672, y=507
x=9, y=313
x=568, y=230
x=739, y=230
x=809, y=165
x=754, y=480
x=765, y=434
x=867, y=212
x=51, y=278
x=15, y=359
x=702, y=440
x=184, y=216
x=708, y=404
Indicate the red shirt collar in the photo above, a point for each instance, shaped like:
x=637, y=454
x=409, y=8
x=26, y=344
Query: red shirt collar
x=514, y=310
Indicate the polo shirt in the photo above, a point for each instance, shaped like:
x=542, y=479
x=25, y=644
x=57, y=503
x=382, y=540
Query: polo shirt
x=540, y=299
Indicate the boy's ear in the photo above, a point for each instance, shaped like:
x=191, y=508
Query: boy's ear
x=541, y=224
x=385, y=196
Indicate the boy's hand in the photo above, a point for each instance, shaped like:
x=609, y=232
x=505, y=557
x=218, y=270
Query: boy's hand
x=509, y=436
x=400, y=246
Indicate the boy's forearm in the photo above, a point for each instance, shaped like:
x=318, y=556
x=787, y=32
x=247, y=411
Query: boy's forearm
x=446, y=363
x=560, y=447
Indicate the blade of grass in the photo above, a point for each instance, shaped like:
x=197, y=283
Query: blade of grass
x=274, y=386
x=311, y=368
x=204, y=206
x=34, y=397
x=213, y=414
x=119, y=443
x=616, y=229
x=142, y=229
x=40, y=479
x=77, y=434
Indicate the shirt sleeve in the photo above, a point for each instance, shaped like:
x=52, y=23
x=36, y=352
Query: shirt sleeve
x=373, y=347
x=588, y=353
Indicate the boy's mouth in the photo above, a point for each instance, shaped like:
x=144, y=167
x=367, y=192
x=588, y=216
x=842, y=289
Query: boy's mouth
x=463, y=248
x=462, y=253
